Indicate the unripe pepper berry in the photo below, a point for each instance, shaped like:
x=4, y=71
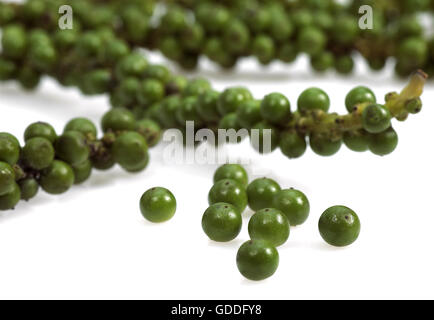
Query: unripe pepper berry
x=222, y=222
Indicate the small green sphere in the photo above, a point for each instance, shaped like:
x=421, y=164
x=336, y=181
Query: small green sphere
x=257, y=260
x=130, y=151
x=118, y=119
x=276, y=108
x=263, y=48
x=261, y=192
x=151, y=130
x=7, y=178
x=228, y=191
x=187, y=112
x=9, y=148
x=29, y=188
x=359, y=95
x=38, y=153
x=323, y=146
x=313, y=99
x=357, y=141
x=292, y=144
x=83, y=125
x=82, y=171
x=232, y=98
x=264, y=137
x=222, y=222
x=323, y=61
x=383, y=143
x=158, y=205
x=196, y=87
x=339, y=226
x=376, y=118
x=232, y=171
x=206, y=106
x=168, y=110
x=150, y=91
x=10, y=200
x=311, y=40
x=132, y=65
x=249, y=113
x=41, y=130
x=270, y=225
x=57, y=178
x=72, y=148
x=294, y=204
x=344, y=64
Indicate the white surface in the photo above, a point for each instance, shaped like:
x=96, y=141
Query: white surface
x=93, y=243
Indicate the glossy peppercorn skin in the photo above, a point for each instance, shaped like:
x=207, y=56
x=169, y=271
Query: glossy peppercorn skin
x=118, y=119
x=82, y=125
x=292, y=144
x=130, y=151
x=383, y=143
x=228, y=191
x=29, y=188
x=82, y=171
x=339, y=226
x=40, y=130
x=231, y=98
x=257, y=260
x=357, y=141
x=232, y=171
x=158, y=205
x=261, y=192
x=57, y=178
x=9, y=200
x=222, y=222
x=7, y=178
x=323, y=146
x=38, y=153
x=359, y=95
x=376, y=118
x=313, y=99
x=9, y=148
x=294, y=204
x=72, y=148
x=271, y=225
x=276, y=108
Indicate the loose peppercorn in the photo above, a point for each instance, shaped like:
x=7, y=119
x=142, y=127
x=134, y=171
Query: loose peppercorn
x=29, y=188
x=231, y=171
x=376, y=118
x=228, y=191
x=57, y=178
x=312, y=99
x=7, y=178
x=9, y=148
x=324, y=146
x=292, y=144
x=383, y=143
x=83, y=125
x=339, y=226
x=270, y=225
x=294, y=204
x=222, y=222
x=9, y=200
x=130, y=151
x=257, y=260
x=72, y=148
x=261, y=192
x=232, y=98
x=358, y=96
x=158, y=205
x=38, y=153
x=275, y=108
x=118, y=119
x=40, y=130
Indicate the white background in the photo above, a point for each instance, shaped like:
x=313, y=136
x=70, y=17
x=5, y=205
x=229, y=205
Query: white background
x=93, y=242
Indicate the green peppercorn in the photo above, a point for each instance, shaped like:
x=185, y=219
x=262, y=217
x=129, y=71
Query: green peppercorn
x=263, y=48
x=311, y=40
x=322, y=61
x=132, y=65
x=413, y=53
x=222, y=222
x=261, y=192
x=270, y=225
x=313, y=99
x=292, y=144
x=115, y=50
x=158, y=72
x=232, y=171
x=323, y=145
x=276, y=108
x=376, y=118
x=72, y=148
x=130, y=151
x=82, y=171
x=230, y=122
x=196, y=87
x=192, y=36
x=29, y=188
x=249, y=113
x=414, y=106
x=96, y=82
x=357, y=140
x=158, y=205
x=150, y=91
x=150, y=130
x=7, y=178
x=9, y=148
x=345, y=29
x=344, y=64
x=174, y=20
x=118, y=119
x=14, y=41
x=83, y=125
x=168, y=111
x=228, y=191
x=383, y=143
x=9, y=200
x=257, y=260
x=187, y=112
x=281, y=27
x=57, y=178
x=264, y=137
x=40, y=130
x=294, y=204
x=359, y=95
x=232, y=98
x=206, y=106
x=236, y=37
x=104, y=160
x=38, y=153
x=339, y=226
x=287, y=52
x=28, y=78
x=7, y=69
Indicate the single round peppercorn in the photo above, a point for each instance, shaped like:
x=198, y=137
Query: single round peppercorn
x=118, y=119
x=311, y=40
x=9, y=148
x=125, y=94
x=206, y=106
x=82, y=171
x=313, y=99
x=222, y=222
x=134, y=65
x=292, y=144
x=414, y=106
x=7, y=178
x=71, y=147
x=357, y=141
x=344, y=64
x=57, y=178
x=150, y=91
x=231, y=99
x=383, y=143
x=232, y=171
x=276, y=108
x=322, y=61
x=261, y=192
x=249, y=113
x=376, y=118
x=263, y=48
x=38, y=153
x=130, y=151
x=359, y=95
x=41, y=130
x=270, y=225
x=83, y=125
x=29, y=188
x=158, y=205
x=228, y=191
x=294, y=204
x=196, y=87
x=150, y=130
x=14, y=41
x=9, y=200
x=339, y=226
x=264, y=137
x=323, y=146
x=345, y=29
x=257, y=260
